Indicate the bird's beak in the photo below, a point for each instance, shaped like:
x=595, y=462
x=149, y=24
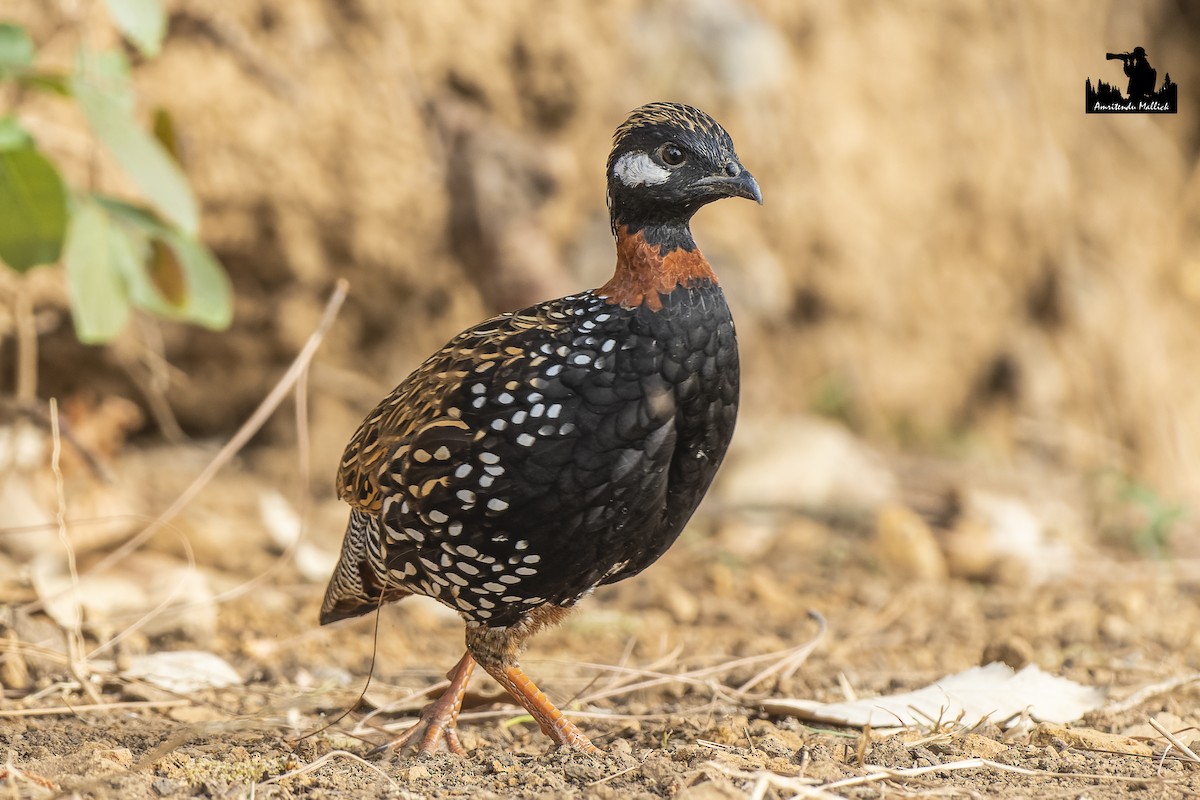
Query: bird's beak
x=741, y=185
x=749, y=187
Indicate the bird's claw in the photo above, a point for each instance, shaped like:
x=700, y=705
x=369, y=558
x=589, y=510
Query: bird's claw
x=438, y=720
x=434, y=727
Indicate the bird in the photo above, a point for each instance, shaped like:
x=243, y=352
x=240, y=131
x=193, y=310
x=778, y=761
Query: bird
x=560, y=447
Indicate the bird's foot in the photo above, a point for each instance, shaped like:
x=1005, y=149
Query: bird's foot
x=552, y=721
x=433, y=728
x=565, y=734
x=438, y=720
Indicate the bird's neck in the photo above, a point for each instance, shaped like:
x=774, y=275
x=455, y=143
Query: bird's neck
x=651, y=262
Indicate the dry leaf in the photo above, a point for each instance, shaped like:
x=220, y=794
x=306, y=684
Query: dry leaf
x=993, y=692
x=175, y=595
x=315, y=564
x=182, y=671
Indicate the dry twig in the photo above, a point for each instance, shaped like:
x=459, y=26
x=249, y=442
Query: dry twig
x=806, y=788
x=79, y=709
x=1176, y=742
x=1152, y=690
x=76, y=660
x=295, y=373
x=250, y=427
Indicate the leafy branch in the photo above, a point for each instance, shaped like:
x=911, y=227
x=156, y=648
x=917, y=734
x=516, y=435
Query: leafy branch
x=118, y=253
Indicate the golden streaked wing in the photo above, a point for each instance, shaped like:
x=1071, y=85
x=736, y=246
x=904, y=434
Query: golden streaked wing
x=430, y=393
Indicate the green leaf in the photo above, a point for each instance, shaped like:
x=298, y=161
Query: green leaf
x=16, y=50
x=142, y=22
x=53, y=82
x=101, y=85
x=107, y=71
x=13, y=136
x=181, y=279
x=206, y=293
x=96, y=257
x=131, y=214
x=166, y=133
x=33, y=209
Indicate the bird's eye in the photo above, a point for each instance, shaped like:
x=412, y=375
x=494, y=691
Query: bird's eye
x=671, y=154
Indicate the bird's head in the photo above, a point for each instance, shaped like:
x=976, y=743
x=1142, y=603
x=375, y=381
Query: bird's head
x=667, y=161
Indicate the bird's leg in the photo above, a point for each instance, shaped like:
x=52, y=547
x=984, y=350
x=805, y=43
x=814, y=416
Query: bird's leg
x=438, y=719
x=497, y=650
x=552, y=721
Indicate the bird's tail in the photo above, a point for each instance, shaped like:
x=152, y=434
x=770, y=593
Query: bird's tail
x=358, y=585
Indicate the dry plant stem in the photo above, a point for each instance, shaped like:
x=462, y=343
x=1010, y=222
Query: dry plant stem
x=163, y=605
x=1153, y=690
x=303, y=448
x=809, y=788
x=787, y=657
x=152, y=382
x=250, y=427
x=624, y=675
x=394, y=705
x=303, y=504
x=606, y=716
x=788, y=665
x=52, y=711
x=1187, y=752
x=27, y=343
x=77, y=662
x=613, y=776
x=37, y=414
x=626, y=681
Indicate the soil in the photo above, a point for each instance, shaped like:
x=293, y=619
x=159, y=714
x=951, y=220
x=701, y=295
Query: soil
x=740, y=583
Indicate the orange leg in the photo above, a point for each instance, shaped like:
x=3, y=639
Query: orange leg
x=551, y=720
x=439, y=717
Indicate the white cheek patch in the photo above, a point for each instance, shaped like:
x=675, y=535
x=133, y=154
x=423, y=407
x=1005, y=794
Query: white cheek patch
x=638, y=169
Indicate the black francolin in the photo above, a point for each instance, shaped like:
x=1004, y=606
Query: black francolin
x=557, y=448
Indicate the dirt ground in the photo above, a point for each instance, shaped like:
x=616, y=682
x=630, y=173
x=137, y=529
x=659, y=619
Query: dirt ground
x=649, y=668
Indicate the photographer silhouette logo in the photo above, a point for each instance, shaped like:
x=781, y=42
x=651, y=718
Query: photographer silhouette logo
x=1142, y=96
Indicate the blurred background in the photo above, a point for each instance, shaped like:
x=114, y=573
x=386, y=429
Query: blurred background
x=953, y=261
x=967, y=312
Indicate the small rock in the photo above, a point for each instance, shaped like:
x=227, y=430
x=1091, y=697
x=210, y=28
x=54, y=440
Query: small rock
x=14, y=673
x=1047, y=733
x=118, y=755
x=182, y=671
x=1012, y=650
x=976, y=746
x=583, y=770
x=1017, y=540
x=804, y=462
x=164, y=786
x=419, y=772
x=907, y=547
x=195, y=714
x=659, y=772
x=621, y=746
x=681, y=604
